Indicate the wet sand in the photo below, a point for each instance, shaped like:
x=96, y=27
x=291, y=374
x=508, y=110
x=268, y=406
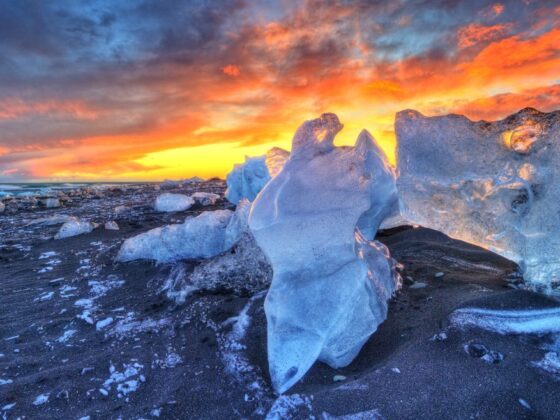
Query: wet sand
x=81, y=335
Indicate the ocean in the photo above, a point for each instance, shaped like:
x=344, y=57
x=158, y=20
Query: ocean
x=31, y=189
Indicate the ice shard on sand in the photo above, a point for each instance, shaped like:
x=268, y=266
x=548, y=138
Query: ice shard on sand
x=314, y=221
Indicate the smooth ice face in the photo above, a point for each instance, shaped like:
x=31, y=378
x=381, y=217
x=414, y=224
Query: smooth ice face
x=330, y=286
x=494, y=184
x=247, y=179
x=169, y=202
x=204, y=236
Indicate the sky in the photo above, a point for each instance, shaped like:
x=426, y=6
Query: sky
x=148, y=90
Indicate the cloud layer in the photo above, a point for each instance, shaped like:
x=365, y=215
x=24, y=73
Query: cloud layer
x=150, y=89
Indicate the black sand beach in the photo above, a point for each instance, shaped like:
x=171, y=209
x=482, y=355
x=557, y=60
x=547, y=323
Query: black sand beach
x=82, y=336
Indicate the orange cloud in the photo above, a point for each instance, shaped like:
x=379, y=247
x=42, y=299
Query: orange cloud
x=231, y=70
x=493, y=11
x=13, y=108
x=476, y=33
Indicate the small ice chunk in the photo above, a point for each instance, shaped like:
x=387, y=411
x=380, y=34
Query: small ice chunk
x=103, y=323
x=550, y=363
x=524, y=403
x=246, y=180
x=66, y=336
x=111, y=225
x=169, y=202
x=73, y=228
x=52, y=203
x=41, y=399
x=204, y=236
x=43, y=297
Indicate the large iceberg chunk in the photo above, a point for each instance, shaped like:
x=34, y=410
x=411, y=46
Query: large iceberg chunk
x=330, y=285
x=204, y=236
x=494, y=184
x=247, y=179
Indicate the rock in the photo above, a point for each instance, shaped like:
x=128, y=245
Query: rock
x=339, y=378
x=337, y=275
x=205, y=198
x=493, y=184
x=418, y=285
x=439, y=274
x=476, y=350
x=244, y=270
x=2, y=207
x=168, y=202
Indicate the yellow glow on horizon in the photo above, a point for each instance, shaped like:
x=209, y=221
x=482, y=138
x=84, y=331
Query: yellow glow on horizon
x=218, y=159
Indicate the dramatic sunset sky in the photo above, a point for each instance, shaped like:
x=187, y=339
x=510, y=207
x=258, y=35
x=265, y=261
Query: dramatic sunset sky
x=147, y=90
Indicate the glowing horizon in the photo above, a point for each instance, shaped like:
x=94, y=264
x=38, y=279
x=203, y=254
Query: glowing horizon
x=147, y=91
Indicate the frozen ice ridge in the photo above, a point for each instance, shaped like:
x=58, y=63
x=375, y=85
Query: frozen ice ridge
x=204, y=236
x=493, y=184
x=248, y=178
x=331, y=284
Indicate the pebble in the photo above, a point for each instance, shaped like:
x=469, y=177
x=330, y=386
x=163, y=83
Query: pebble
x=439, y=274
x=418, y=285
x=339, y=378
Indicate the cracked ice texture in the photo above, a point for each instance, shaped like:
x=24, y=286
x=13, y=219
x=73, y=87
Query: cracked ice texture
x=330, y=285
x=247, y=179
x=494, y=184
x=204, y=236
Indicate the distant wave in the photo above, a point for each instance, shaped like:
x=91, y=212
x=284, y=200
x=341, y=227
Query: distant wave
x=10, y=187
